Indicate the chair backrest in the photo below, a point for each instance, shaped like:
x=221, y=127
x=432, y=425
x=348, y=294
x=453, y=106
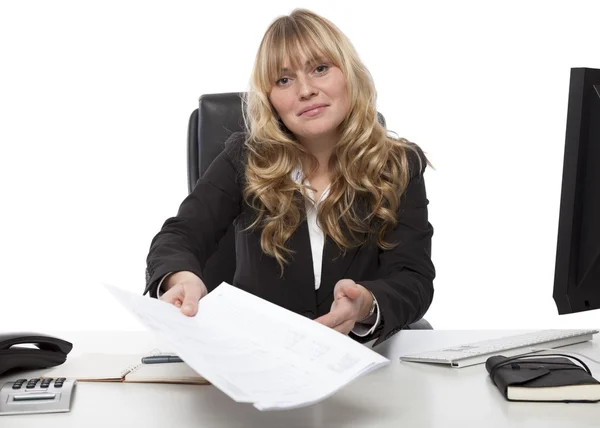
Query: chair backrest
x=210, y=125
x=216, y=118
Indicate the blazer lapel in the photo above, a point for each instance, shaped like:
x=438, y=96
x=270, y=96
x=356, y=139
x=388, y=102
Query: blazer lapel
x=300, y=244
x=300, y=273
x=336, y=262
x=335, y=265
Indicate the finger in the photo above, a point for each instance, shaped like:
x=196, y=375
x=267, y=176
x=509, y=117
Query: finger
x=351, y=291
x=347, y=288
x=345, y=327
x=341, y=325
x=191, y=296
x=340, y=287
x=330, y=319
x=339, y=315
x=343, y=318
x=172, y=294
x=342, y=310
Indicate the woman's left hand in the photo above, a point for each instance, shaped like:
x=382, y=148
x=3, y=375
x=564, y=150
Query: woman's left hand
x=351, y=302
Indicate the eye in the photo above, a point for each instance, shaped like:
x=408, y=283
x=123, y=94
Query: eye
x=281, y=81
x=322, y=68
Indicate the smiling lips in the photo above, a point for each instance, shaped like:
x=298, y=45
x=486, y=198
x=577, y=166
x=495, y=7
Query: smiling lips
x=312, y=110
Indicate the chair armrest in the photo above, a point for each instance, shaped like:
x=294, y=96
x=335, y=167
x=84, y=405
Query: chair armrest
x=422, y=324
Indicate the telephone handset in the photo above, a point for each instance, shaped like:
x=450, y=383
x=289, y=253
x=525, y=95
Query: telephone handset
x=49, y=352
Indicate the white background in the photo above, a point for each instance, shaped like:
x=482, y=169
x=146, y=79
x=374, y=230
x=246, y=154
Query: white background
x=95, y=99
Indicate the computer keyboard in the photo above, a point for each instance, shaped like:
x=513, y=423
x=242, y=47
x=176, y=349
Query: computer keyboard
x=478, y=352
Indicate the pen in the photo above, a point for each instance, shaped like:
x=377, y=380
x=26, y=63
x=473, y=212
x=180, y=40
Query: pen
x=160, y=359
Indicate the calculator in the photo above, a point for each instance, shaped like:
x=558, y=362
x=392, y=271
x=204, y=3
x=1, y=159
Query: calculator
x=37, y=395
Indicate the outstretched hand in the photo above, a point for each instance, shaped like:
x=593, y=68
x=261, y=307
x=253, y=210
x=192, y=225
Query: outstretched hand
x=185, y=289
x=351, y=303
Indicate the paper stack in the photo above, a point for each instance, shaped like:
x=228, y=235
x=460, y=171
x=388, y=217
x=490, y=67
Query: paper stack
x=255, y=351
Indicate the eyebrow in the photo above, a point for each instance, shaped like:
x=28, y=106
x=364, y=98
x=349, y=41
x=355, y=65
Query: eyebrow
x=306, y=64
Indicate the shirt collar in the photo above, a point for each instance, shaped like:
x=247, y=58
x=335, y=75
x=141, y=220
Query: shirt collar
x=297, y=174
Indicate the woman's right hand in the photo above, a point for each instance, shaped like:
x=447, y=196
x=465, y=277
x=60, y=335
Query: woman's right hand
x=184, y=290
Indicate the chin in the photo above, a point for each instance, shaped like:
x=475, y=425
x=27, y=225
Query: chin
x=317, y=130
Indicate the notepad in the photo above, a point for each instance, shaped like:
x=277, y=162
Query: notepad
x=543, y=379
x=98, y=367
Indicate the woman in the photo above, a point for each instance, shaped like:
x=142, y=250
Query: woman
x=330, y=212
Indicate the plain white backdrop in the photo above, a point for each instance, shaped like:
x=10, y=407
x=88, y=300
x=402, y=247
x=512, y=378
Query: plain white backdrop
x=95, y=99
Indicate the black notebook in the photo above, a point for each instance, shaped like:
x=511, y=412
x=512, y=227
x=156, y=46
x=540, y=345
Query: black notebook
x=543, y=379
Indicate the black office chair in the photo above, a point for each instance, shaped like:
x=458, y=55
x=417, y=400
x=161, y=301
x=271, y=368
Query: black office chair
x=210, y=125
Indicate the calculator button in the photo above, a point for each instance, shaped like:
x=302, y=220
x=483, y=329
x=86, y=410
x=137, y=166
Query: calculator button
x=46, y=383
x=17, y=385
x=61, y=379
x=32, y=383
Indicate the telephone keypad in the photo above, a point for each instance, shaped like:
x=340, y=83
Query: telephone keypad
x=37, y=395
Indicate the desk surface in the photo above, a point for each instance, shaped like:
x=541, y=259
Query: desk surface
x=400, y=394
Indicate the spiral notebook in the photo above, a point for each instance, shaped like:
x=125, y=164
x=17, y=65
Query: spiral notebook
x=97, y=367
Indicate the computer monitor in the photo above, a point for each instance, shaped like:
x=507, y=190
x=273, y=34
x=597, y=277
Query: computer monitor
x=577, y=268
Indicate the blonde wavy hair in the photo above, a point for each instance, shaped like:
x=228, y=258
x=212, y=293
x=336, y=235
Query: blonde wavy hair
x=370, y=169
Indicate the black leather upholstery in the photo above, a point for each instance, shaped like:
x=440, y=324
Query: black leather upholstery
x=216, y=118
x=210, y=125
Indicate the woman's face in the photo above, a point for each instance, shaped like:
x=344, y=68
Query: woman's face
x=312, y=101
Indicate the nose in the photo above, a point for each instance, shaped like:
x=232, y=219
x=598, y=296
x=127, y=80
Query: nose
x=306, y=89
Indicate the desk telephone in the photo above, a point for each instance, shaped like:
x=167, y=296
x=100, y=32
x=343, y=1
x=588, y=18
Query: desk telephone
x=35, y=395
x=50, y=351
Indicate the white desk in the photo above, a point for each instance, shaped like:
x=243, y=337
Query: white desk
x=402, y=394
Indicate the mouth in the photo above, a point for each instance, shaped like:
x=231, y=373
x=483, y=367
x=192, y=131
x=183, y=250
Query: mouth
x=314, y=109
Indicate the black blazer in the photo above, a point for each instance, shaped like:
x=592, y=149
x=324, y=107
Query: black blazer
x=401, y=279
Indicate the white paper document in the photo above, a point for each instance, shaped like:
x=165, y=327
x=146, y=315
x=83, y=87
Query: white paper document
x=253, y=350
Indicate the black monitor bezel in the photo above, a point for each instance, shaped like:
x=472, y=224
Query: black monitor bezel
x=568, y=294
